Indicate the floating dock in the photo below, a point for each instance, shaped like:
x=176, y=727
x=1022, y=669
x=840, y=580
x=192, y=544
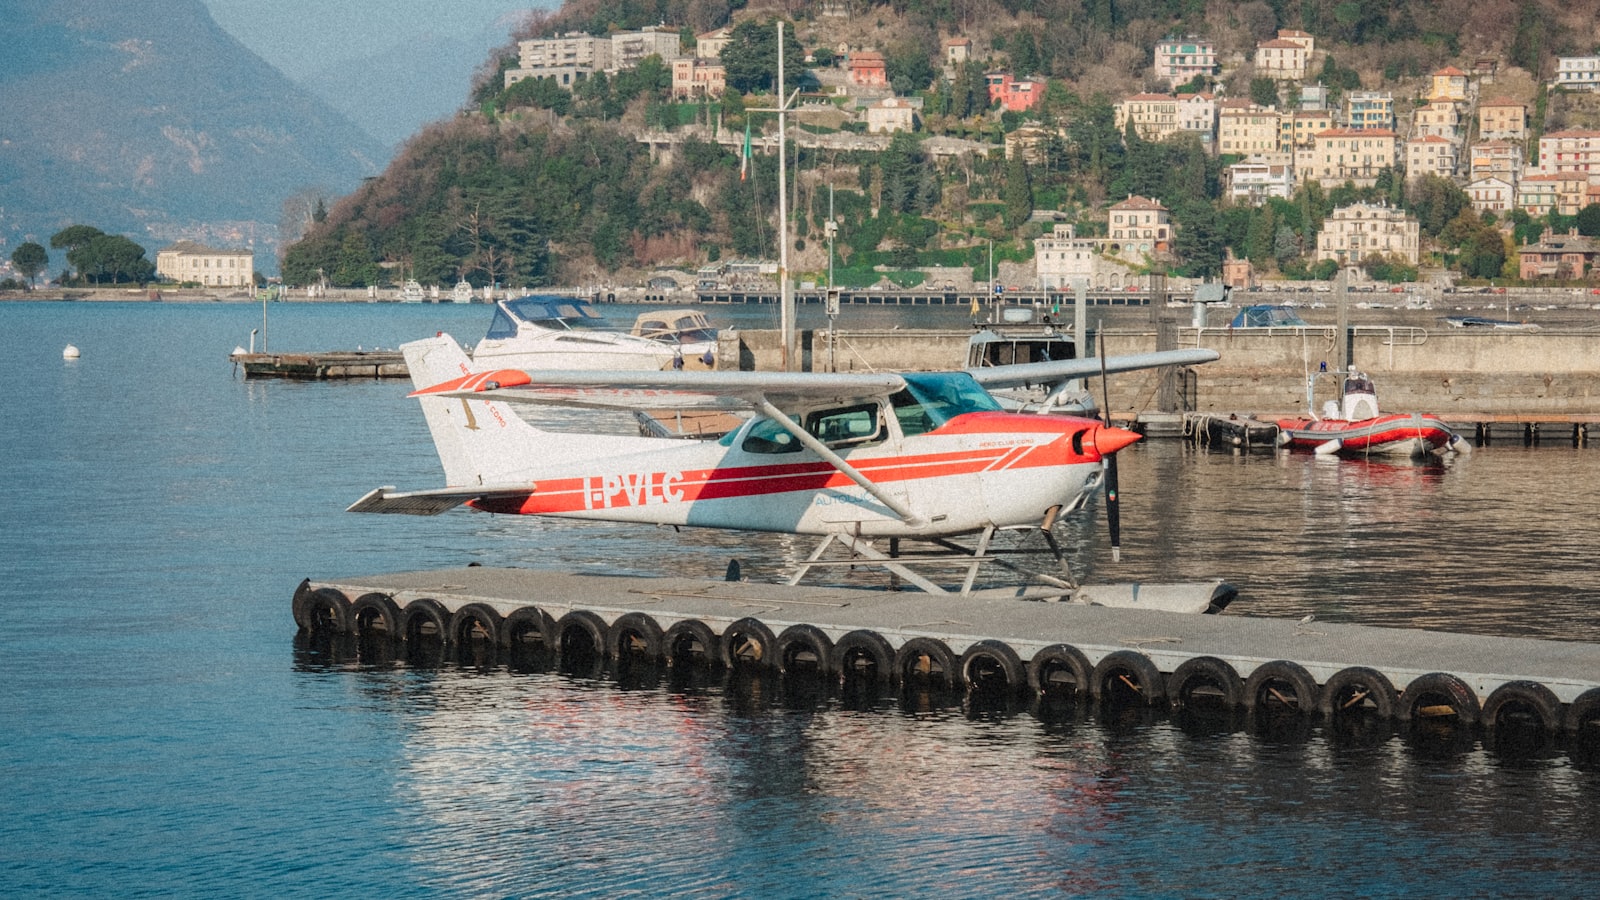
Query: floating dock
x=323, y=365
x=1102, y=654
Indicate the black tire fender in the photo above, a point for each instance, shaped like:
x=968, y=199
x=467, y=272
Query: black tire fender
x=985, y=664
x=863, y=655
x=375, y=615
x=1125, y=675
x=926, y=660
x=681, y=638
x=582, y=632
x=422, y=613
x=799, y=644
x=1205, y=672
x=1282, y=686
x=1520, y=698
x=1059, y=669
x=635, y=634
x=527, y=625
x=321, y=611
x=1583, y=713
x=474, y=617
x=748, y=642
x=1440, y=689
x=1356, y=688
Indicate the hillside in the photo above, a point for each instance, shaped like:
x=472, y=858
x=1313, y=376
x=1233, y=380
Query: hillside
x=143, y=117
x=542, y=185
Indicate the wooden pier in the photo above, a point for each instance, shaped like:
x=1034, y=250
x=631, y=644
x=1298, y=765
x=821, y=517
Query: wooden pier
x=1103, y=654
x=323, y=365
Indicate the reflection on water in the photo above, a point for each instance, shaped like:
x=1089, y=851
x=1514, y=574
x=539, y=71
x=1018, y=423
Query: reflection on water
x=717, y=785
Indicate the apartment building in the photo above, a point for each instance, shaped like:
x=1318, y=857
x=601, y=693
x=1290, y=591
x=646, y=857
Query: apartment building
x=1352, y=233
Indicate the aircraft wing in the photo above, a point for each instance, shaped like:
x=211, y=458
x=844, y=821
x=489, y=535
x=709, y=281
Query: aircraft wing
x=675, y=390
x=1088, y=367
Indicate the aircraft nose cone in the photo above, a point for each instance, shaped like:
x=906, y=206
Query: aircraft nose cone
x=1109, y=440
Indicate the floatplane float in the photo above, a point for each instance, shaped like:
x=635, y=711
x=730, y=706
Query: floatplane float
x=1358, y=429
x=858, y=460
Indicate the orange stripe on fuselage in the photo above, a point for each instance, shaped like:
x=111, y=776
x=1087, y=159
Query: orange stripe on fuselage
x=629, y=490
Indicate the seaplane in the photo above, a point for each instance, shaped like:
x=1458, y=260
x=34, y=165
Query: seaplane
x=857, y=460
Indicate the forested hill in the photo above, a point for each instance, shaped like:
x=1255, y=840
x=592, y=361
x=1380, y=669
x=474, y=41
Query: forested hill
x=535, y=184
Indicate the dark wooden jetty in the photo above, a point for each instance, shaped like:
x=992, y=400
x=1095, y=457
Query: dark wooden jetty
x=1126, y=655
x=323, y=365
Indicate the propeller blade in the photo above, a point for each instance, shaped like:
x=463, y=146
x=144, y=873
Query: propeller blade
x=1113, y=507
x=1113, y=511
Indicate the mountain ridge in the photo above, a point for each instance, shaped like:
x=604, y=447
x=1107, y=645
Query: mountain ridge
x=147, y=118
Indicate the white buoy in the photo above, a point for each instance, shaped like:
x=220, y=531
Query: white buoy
x=70, y=353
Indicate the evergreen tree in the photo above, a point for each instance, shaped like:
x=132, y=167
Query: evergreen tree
x=1018, y=192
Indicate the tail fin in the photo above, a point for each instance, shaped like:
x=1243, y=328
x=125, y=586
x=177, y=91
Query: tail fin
x=480, y=442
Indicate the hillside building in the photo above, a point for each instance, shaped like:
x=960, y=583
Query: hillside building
x=1496, y=159
x=1570, y=151
x=1344, y=154
x=1179, y=60
x=1139, y=225
x=1063, y=259
x=867, y=68
x=1491, y=194
x=1154, y=116
x=1502, y=119
x=1014, y=94
x=1568, y=257
x=698, y=79
x=1578, y=73
x=1369, y=111
x=1352, y=233
x=1430, y=154
x=1282, y=60
x=1449, y=84
x=1256, y=179
x=1245, y=128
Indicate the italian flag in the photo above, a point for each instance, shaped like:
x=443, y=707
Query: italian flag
x=744, y=157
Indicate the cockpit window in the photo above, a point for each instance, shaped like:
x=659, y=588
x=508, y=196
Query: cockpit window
x=767, y=436
x=846, y=425
x=934, y=398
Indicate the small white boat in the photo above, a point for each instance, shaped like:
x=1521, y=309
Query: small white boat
x=412, y=292
x=685, y=330
x=550, y=331
x=462, y=293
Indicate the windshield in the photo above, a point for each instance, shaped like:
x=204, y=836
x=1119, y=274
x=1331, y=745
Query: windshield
x=557, y=312
x=934, y=398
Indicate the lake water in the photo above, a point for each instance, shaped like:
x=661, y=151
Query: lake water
x=164, y=733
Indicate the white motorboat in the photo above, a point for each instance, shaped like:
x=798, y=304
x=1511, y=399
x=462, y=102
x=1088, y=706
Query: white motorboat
x=685, y=330
x=550, y=331
x=462, y=292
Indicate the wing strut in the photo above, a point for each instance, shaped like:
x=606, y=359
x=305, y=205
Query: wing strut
x=810, y=442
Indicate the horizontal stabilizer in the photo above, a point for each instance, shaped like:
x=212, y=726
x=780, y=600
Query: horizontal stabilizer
x=426, y=503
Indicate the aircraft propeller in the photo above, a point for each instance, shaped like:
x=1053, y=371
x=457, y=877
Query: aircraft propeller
x=1113, y=509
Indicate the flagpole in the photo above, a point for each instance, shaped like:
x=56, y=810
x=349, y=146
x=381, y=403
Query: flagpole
x=785, y=295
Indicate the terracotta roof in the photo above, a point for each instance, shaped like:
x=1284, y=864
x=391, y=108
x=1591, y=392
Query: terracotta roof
x=1571, y=133
x=1425, y=139
x=1451, y=71
x=1278, y=44
x=1138, y=203
x=1152, y=97
x=1357, y=132
x=1505, y=101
